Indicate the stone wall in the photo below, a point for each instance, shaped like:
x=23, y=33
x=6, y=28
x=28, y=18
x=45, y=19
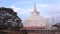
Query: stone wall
x=43, y=32
x=32, y=32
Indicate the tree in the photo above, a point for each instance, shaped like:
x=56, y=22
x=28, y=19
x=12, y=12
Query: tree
x=8, y=21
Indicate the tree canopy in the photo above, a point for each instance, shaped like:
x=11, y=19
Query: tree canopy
x=9, y=19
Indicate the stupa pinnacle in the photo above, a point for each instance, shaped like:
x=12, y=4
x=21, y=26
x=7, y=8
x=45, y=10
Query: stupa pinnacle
x=35, y=9
x=35, y=12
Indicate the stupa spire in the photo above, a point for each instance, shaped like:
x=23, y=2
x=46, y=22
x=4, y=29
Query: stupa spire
x=35, y=12
x=35, y=9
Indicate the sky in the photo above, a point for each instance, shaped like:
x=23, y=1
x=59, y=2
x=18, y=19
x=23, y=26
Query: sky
x=47, y=8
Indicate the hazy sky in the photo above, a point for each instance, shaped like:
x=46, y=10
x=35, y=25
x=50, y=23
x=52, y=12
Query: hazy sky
x=25, y=7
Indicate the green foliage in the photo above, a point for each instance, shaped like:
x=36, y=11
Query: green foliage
x=9, y=19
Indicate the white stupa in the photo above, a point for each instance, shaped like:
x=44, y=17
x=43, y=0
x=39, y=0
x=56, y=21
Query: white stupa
x=35, y=20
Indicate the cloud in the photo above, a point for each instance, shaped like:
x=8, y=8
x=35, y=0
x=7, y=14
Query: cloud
x=44, y=9
x=55, y=9
x=42, y=5
x=21, y=2
x=49, y=9
x=14, y=8
x=20, y=10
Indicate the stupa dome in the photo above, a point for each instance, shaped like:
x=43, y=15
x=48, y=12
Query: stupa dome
x=35, y=20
